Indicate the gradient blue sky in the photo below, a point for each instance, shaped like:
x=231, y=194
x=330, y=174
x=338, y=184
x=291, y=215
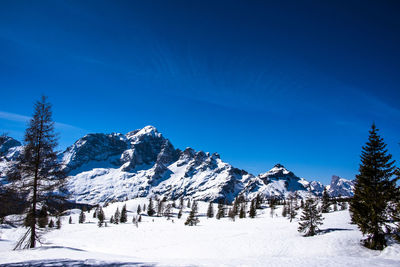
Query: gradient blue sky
x=260, y=82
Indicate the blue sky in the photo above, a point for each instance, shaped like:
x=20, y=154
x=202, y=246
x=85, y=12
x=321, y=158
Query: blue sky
x=260, y=82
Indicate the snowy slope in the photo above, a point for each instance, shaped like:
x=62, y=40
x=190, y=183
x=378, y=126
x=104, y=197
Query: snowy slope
x=263, y=241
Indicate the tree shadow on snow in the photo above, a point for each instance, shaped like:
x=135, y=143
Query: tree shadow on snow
x=328, y=230
x=74, y=263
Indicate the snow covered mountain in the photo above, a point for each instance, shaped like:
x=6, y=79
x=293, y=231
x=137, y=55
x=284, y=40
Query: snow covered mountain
x=141, y=163
x=108, y=167
x=340, y=187
x=277, y=182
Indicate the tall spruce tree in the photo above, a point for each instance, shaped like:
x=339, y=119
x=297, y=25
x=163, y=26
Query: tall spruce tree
x=100, y=216
x=311, y=218
x=37, y=173
x=253, y=208
x=192, y=218
x=210, y=210
x=326, y=203
x=82, y=217
x=150, y=208
x=374, y=190
x=124, y=217
x=117, y=216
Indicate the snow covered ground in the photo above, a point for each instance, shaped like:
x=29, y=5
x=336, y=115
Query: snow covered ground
x=263, y=241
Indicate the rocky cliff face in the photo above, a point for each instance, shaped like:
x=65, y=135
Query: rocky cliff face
x=144, y=163
x=340, y=187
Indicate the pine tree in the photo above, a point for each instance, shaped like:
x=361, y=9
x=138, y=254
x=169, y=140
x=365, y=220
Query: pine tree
x=43, y=218
x=221, y=210
x=335, y=206
x=168, y=211
x=284, y=210
x=374, y=190
x=188, y=203
x=235, y=206
x=124, y=217
x=192, y=218
x=140, y=218
x=253, y=208
x=58, y=223
x=259, y=200
x=150, y=209
x=292, y=207
x=242, y=212
x=144, y=208
x=310, y=218
x=272, y=205
x=70, y=220
x=37, y=173
x=326, y=203
x=180, y=212
x=139, y=210
x=210, y=210
x=160, y=208
x=112, y=219
x=82, y=217
x=117, y=215
x=100, y=216
x=51, y=223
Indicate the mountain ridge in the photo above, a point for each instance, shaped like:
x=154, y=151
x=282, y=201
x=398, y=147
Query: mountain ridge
x=107, y=167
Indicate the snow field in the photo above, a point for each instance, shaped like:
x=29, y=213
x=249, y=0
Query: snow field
x=263, y=241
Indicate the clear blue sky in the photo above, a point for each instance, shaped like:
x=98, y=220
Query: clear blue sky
x=260, y=82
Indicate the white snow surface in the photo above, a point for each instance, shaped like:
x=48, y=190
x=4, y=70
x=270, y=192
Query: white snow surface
x=263, y=241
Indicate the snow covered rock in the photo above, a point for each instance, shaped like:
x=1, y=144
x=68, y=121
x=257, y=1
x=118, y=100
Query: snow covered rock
x=277, y=182
x=340, y=187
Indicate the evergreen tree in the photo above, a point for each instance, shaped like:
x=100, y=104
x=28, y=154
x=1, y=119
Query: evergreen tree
x=43, y=218
x=160, y=207
x=117, y=215
x=284, y=210
x=192, y=218
x=231, y=214
x=168, y=211
x=272, y=205
x=140, y=218
x=310, y=218
x=70, y=220
x=259, y=200
x=292, y=207
x=221, y=210
x=210, y=210
x=181, y=202
x=253, y=208
x=343, y=205
x=144, y=208
x=235, y=206
x=112, y=219
x=335, y=206
x=37, y=173
x=180, y=212
x=150, y=208
x=82, y=217
x=242, y=212
x=100, y=216
x=139, y=210
x=188, y=203
x=326, y=203
x=51, y=223
x=58, y=223
x=373, y=192
x=124, y=217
